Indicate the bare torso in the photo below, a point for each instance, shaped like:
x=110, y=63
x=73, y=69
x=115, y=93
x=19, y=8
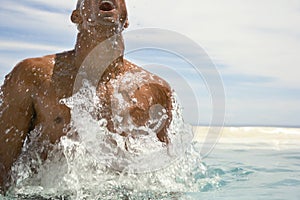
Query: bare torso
x=30, y=97
x=42, y=82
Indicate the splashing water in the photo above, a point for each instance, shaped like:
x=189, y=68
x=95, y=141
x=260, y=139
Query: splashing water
x=96, y=164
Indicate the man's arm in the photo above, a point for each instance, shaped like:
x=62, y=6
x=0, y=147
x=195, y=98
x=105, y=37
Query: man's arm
x=16, y=115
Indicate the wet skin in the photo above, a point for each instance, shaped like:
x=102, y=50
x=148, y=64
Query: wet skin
x=32, y=92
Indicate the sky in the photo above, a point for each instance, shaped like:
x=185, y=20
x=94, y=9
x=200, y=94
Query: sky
x=254, y=45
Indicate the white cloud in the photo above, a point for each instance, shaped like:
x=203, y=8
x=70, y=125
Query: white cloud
x=20, y=45
x=252, y=37
x=67, y=5
x=35, y=20
x=266, y=111
x=257, y=37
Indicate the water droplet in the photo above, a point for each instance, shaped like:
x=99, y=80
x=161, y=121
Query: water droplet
x=8, y=130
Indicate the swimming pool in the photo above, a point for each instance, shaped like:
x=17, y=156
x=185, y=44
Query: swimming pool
x=247, y=163
x=255, y=163
x=253, y=174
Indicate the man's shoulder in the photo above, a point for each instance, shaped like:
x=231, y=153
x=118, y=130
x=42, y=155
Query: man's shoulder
x=38, y=64
x=154, y=78
x=31, y=71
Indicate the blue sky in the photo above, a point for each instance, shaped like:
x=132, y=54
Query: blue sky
x=254, y=44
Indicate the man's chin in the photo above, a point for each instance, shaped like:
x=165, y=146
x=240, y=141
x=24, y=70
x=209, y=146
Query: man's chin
x=109, y=24
x=108, y=21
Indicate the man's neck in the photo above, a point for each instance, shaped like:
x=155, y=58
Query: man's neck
x=105, y=45
x=96, y=54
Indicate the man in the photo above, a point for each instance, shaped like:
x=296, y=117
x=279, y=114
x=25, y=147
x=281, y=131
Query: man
x=31, y=94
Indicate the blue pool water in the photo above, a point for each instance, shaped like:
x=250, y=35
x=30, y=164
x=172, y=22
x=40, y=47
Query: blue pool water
x=245, y=171
x=246, y=163
x=253, y=174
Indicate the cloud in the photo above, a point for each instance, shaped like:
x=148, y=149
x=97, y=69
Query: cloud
x=54, y=4
x=263, y=111
x=253, y=37
x=254, y=44
x=34, y=24
x=25, y=46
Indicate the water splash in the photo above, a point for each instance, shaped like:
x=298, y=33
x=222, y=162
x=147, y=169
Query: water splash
x=93, y=163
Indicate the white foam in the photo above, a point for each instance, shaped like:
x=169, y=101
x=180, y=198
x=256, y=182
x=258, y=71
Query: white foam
x=98, y=162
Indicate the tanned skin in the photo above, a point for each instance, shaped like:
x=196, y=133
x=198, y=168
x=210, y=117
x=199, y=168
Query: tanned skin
x=32, y=91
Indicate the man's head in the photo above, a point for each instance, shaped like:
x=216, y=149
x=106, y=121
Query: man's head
x=100, y=15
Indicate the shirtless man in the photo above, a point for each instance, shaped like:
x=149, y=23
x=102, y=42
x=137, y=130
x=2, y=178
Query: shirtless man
x=31, y=92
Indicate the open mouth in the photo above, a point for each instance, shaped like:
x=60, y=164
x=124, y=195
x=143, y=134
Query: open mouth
x=106, y=6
